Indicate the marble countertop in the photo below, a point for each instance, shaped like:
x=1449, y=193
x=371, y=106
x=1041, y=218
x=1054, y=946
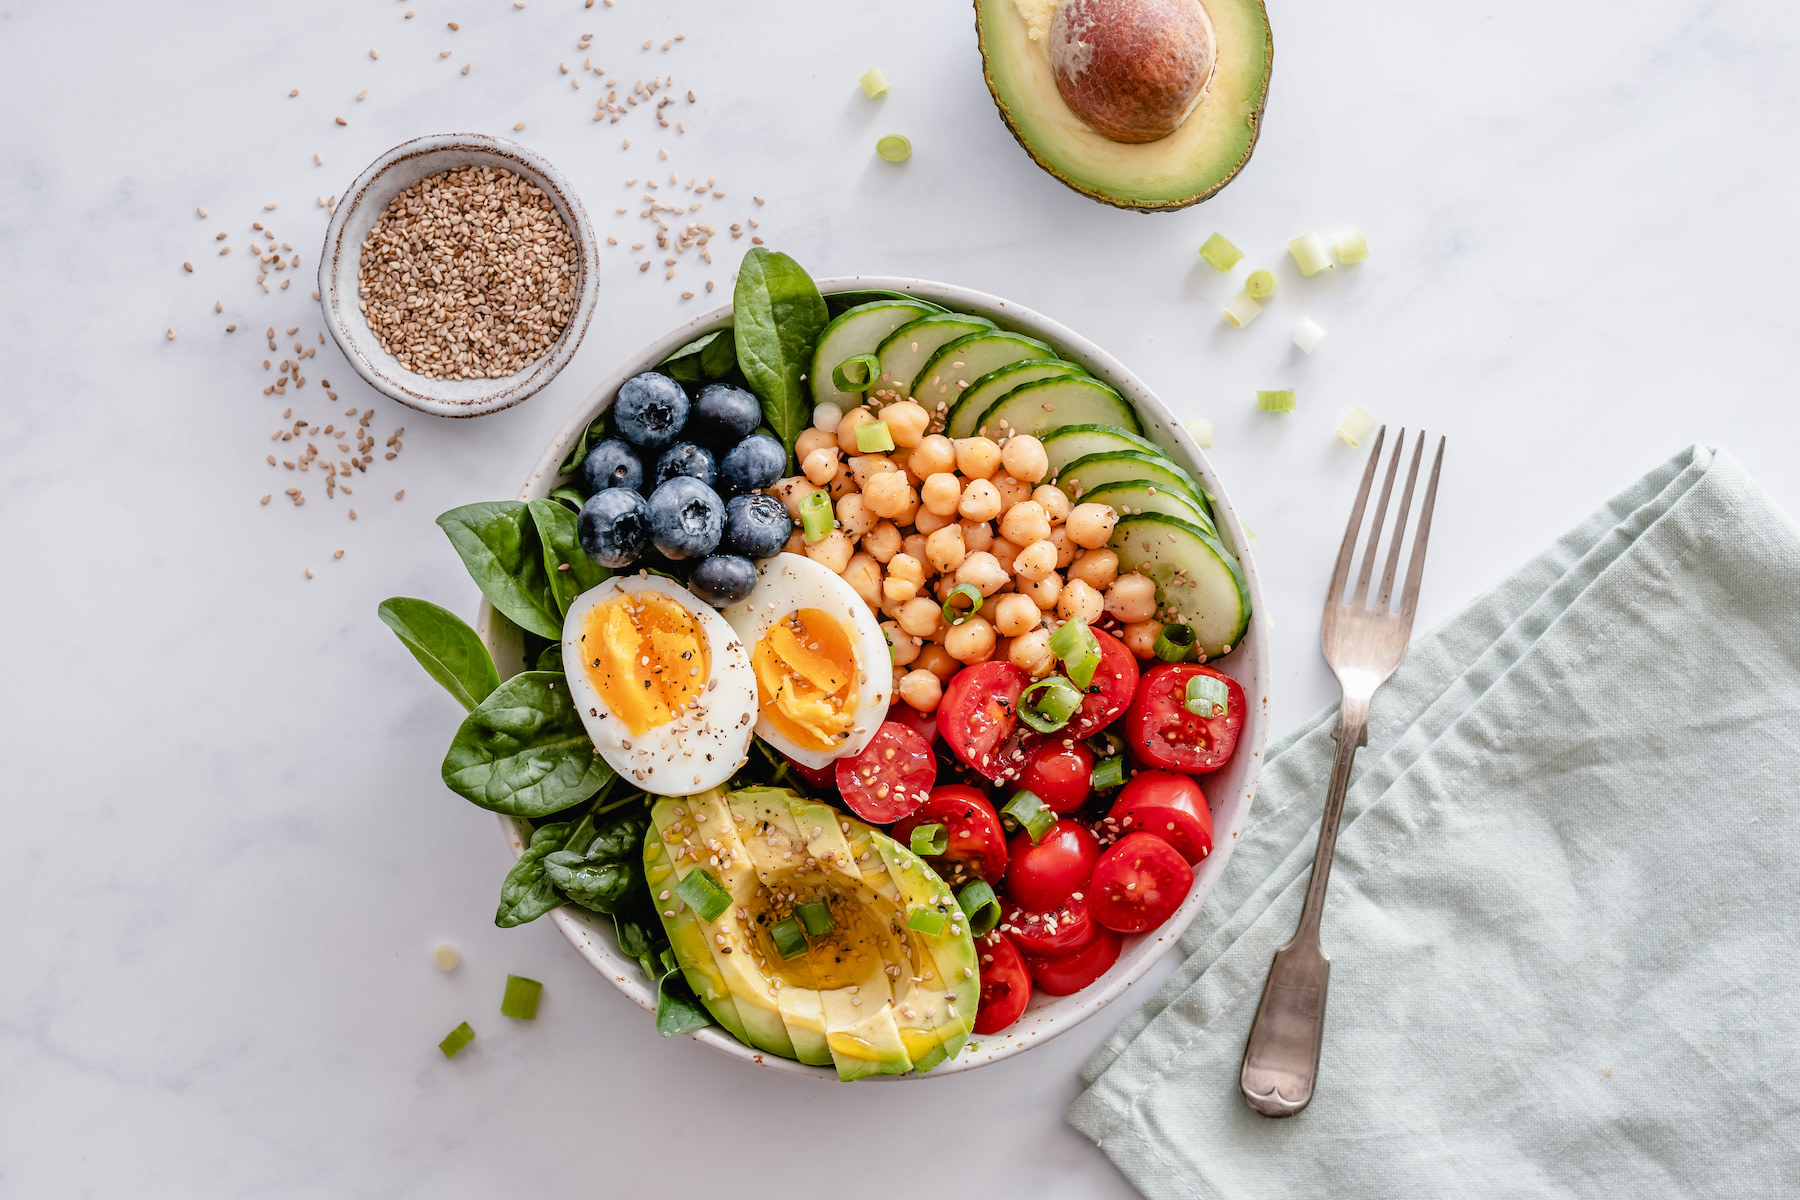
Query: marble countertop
x=229, y=853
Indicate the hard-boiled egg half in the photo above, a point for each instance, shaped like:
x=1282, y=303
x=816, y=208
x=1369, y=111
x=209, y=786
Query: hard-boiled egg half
x=663, y=684
x=823, y=670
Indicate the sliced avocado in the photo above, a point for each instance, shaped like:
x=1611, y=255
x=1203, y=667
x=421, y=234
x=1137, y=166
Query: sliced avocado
x=1201, y=156
x=863, y=1037
x=687, y=934
x=1049, y=404
x=1198, y=582
x=909, y=347
x=859, y=330
x=934, y=1005
x=1129, y=497
x=1114, y=466
x=948, y=373
x=966, y=412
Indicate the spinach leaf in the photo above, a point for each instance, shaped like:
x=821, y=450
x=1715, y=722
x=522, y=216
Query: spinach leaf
x=597, y=431
x=549, y=659
x=568, y=496
x=524, y=751
x=601, y=867
x=445, y=646
x=526, y=893
x=677, y=1009
x=706, y=359
x=777, y=314
x=567, y=566
x=635, y=937
x=499, y=544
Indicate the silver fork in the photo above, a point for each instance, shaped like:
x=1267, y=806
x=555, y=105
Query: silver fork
x=1363, y=645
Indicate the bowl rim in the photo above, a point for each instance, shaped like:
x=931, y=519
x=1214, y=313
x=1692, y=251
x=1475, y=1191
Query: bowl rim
x=591, y=935
x=339, y=268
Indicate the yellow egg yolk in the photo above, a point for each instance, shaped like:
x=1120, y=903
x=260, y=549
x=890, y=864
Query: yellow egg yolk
x=806, y=679
x=646, y=656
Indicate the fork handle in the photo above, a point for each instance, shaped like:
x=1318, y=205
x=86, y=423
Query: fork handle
x=1351, y=732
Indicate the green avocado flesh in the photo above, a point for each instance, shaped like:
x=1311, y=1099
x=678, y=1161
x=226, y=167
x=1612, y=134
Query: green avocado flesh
x=871, y=996
x=1200, y=157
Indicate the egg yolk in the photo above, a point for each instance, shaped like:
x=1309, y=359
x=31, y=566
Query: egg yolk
x=646, y=656
x=806, y=679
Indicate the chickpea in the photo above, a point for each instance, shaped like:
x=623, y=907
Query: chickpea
x=888, y=494
x=1044, y=592
x=814, y=439
x=941, y=493
x=1025, y=458
x=1066, y=549
x=1005, y=553
x=944, y=549
x=984, y=571
x=902, y=458
x=853, y=515
x=906, y=575
x=865, y=467
x=934, y=454
x=970, y=642
x=1140, y=637
x=1031, y=652
x=1011, y=491
x=821, y=466
x=792, y=491
x=1131, y=598
x=1096, y=568
x=937, y=660
x=863, y=574
x=927, y=522
x=1025, y=523
x=903, y=645
x=796, y=543
x=977, y=535
x=853, y=420
x=914, y=544
x=909, y=509
x=977, y=457
x=882, y=542
x=906, y=422
x=920, y=617
x=922, y=690
x=1079, y=602
x=1053, y=500
x=891, y=608
x=1035, y=561
x=980, y=501
x=895, y=675
x=1016, y=614
x=1091, y=524
x=833, y=550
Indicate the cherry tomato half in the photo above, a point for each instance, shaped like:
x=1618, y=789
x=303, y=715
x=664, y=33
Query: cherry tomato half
x=1171, y=807
x=823, y=780
x=978, y=718
x=1060, y=931
x=977, y=843
x=1162, y=733
x=924, y=724
x=1065, y=974
x=1138, y=883
x=1058, y=773
x=891, y=778
x=1041, y=877
x=1109, y=693
x=1005, y=984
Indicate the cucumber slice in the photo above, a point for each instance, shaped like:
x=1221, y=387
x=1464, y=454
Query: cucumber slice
x=1078, y=441
x=1198, y=582
x=1134, y=496
x=1039, y=408
x=859, y=330
x=942, y=380
x=909, y=347
x=1122, y=466
x=990, y=387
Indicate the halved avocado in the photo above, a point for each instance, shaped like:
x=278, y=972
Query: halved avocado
x=1185, y=167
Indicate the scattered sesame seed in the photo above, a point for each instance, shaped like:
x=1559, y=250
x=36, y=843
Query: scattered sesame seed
x=341, y=121
x=362, y=94
x=309, y=572
x=374, y=54
x=466, y=67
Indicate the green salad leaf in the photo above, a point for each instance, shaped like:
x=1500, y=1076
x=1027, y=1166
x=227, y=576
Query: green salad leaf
x=707, y=359
x=777, y=314
x=445, y=646
x=499, y=544
x=526, y=893
x=569, y=569
x=603, y=868
x=524, y=751
x=678, y=1011
x=568, y=496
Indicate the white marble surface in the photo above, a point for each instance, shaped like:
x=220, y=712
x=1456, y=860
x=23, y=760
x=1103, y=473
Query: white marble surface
x=229, y=854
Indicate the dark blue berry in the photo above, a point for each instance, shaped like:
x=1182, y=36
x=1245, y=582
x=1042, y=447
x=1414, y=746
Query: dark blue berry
x=686, y=518
x=650, y=411
x=611, y=464
x=614, y=527
x=752, y=465
x=685, y=458
x=723, y=579
x=725, y=415
x=756, y=526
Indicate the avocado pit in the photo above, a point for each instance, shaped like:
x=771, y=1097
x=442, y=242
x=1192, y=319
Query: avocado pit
x=1132, y=70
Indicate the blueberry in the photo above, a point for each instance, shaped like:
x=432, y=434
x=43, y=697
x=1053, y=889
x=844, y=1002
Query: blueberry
x=756, y=526
x=611, y=464
x=725, y=415
x=650, y=410
x=614, y=527
x=723, y=579
x=686, y=518
x=752, y=465
x=685, y=458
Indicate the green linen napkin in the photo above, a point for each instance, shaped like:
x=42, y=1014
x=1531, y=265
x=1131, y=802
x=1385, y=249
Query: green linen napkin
x=1563, y=920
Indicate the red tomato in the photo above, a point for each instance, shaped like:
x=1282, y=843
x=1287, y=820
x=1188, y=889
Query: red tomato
x=1109, y=693
x=823, y=780
x=978, y=718
x=1060, y=931
x=1065, y=974
x=924, y=724
x=1058, y=773
x=891, y=777
x=1162, y=732
x=1041, y=877
x=1005, y=984
x=1172, y=807
x=1138, y=883
x=977, y=846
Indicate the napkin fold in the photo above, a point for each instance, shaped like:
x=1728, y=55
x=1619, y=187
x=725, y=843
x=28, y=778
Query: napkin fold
x=1564, y=915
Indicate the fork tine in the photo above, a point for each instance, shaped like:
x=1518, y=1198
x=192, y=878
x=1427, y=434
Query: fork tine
x=1393, y=558
x=1409, y=600
x=1341, y=573
x=1375, y=526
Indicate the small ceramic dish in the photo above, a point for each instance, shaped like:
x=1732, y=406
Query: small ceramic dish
x=339, y=268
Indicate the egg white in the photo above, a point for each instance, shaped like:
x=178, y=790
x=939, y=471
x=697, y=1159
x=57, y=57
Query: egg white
x=789, y=582
x=699, y=749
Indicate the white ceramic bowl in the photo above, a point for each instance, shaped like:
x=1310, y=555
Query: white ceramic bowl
x=1229, y=791
x=339, y=266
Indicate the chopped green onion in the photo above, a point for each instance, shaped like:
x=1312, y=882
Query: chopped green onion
x=1051, y=711
x=1260, y=284
x=894, y=148
x=1175, y=643
x=1249, y=533
x=1207, y=696
x=929, y=839
x=457, y=1038
x=874, y=83
x=1030, y=814
x=827, y=416
x=1106, y=744
x=1357, y=424
x=1282, y=401
x=1308, y=334
x=955, y=615
x=926, y=920
x=1201, y=429
x=1351, y=246
x=816, y=917
x=816, y=517
x=852, y=375
x=1220, y=254
x=521, y=999
x=1079, y=650
x=874, y=438
x=1242, y=310
x=1309, y=252
x=981, y=906
x=704, y=894
x=1108, y=774
x=789, y=941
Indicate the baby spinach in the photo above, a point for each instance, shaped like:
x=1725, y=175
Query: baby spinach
x=526, y=893
x=677, y=1009
x=706, y=359
x=777, y=316
x=445, y=646
x=568, y=496
x=524, y=751
x=549, y=659
x=567, y=566
x=500, y=546
x=602, y=868
x=597, y=431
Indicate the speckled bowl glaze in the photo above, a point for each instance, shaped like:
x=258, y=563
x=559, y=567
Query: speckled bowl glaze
x=356, y=214
x=1229, y=792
